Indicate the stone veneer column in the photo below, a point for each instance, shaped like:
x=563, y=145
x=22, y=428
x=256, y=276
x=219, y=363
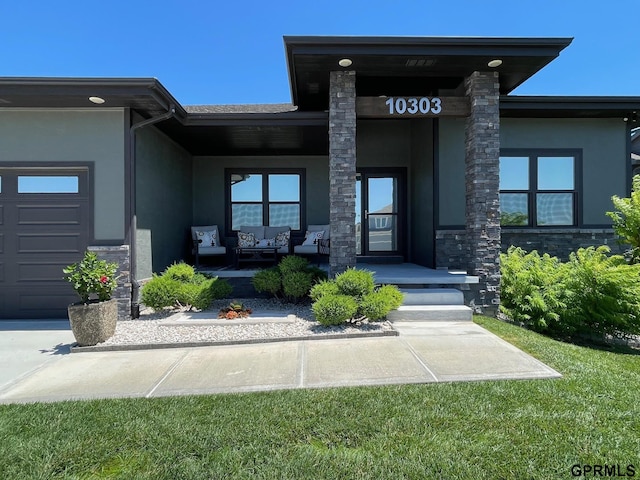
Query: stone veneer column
x=482, y=173
x=120, y=255
x=342, y=170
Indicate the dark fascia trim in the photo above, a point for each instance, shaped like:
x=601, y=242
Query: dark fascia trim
x=103, y=85
x=258, y=119
x=551, y=106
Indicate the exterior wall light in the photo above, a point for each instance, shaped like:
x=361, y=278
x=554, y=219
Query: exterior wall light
x=495, y=63
x=345, y=62
x=97, y=100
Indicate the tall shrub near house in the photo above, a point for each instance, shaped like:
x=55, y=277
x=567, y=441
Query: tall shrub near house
x=626, y=220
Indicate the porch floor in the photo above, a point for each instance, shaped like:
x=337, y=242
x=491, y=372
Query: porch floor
x=389, y=273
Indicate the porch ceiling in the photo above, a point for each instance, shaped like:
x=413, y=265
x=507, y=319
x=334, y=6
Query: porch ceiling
x=410, y=65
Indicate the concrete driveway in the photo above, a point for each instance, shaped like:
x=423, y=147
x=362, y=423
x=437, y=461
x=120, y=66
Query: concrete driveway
x=36, y=363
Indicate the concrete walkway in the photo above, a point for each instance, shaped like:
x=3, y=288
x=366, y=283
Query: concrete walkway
x=35, y=363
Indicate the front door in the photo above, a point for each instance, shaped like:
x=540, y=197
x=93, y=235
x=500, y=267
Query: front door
x=380, y=212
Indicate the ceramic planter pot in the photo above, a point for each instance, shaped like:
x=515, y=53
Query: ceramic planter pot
x=92, y=323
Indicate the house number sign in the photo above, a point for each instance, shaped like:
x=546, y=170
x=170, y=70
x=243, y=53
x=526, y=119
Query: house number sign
x=413, y=105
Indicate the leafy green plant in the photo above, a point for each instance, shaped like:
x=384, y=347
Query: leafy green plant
x=92, y=277
x=177, y=287
x=322, y=288
x=334, y=309
x=354, y=282
x=626, y=220
x=291, y=280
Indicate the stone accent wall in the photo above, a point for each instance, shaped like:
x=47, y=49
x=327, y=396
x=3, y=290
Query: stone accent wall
x=342, y=170
x=451, y=249
x=482, y=173
x=120, y=255
x=560, y=242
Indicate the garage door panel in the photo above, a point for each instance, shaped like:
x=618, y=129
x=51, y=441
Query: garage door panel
x=1, y=243
x=49, y=214
x=49, y=303
x=50, y=243
x=50, y=272
x=1, y=214
x=1, y=272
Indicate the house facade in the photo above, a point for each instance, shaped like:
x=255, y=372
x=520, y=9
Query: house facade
x=411, y=148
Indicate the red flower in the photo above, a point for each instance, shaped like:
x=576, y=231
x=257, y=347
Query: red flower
x=104, y=279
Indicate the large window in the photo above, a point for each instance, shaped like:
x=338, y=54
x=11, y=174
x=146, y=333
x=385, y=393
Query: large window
x=539, y=188
x=265, y=197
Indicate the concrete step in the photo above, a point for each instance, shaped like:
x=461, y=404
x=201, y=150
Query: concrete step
x=431, y=312
x=432, y=296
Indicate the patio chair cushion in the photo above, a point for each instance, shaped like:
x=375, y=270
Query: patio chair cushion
x=258, y=231
x=305, y=249
x=207, y=238
x=246, y=240
x=312, y=238
x=316, y=228
x=212, y=250
x=266, y=242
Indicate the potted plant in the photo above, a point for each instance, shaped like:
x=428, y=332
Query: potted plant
x=93, y=319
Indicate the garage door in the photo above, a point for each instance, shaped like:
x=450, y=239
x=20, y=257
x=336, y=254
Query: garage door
x=45, y=224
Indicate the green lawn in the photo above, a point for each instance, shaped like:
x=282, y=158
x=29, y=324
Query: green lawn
x=533, y=429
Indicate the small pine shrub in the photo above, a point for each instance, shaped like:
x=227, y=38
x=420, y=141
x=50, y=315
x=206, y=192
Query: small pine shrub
x=182, y=272
x=317, y=274
x=322, y=288
x=160, y=292
x=392, y=295
x=374, y=306
x=220, y=288
x=334, y=309
x=354, y=282
x=293, y=263
x=296, y=285
x=268, y=281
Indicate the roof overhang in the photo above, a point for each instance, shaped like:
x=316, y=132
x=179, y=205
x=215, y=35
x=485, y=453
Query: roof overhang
x=395, y=66
x=145, y=95
x=571, y=107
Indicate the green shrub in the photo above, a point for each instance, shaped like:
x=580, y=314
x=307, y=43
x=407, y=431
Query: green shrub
x=160, y=292
x=317, y=274
x=179, y=271
x=322, y=288
x=334, y=309
x=356, y=283
x=393, y=296
x=173, y=290
x=268, y=281
x=296, y=285
x=374, y=306
x=626, y=220
x=531, y=288
x=602, y=294
x=293, y=263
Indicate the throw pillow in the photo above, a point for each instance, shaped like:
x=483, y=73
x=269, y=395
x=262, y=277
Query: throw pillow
x=246, y=240
x=311, y=238
x=282, y=239
x=207, y=239
x=266, y=242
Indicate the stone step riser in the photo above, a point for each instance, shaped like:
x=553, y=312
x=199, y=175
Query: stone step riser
x=432, y=296
x=420, y=313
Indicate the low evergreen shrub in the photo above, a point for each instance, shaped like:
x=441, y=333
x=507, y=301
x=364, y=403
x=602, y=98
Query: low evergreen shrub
x=354, y=282
x=291, y=280
x=392, y=295
x=296, y=285
x=268, y=281
x=160, y=292
x=334, y=309
x=182, y=272
x=322, y=288
x=375, y=305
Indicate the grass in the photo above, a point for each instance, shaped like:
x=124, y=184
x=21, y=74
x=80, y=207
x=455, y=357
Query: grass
x=533, y=429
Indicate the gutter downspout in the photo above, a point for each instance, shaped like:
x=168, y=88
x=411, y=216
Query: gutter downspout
x=133, y=225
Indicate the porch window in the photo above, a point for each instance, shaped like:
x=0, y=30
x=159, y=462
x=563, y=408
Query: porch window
x=539, y=188
x=265, y=197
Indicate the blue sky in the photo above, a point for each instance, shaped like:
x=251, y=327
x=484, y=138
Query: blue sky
x=214, y=52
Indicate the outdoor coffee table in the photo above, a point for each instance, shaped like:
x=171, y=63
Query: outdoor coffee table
x=258, y=254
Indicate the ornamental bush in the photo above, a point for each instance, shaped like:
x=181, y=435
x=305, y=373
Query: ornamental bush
x=334, y=309
x=291, y=280
x=322, y=288
x=594, y=293
x=92, y=278
x=626, y=220
x=179, y=286
x=354, y=282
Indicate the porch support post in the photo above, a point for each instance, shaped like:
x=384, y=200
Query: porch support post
x=342, y=170
x=482, y=174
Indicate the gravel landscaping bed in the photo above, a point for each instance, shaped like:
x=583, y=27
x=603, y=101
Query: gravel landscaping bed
x=149, y=328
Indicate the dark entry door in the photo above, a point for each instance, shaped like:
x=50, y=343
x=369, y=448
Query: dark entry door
x=380, y=212
x=45, y=224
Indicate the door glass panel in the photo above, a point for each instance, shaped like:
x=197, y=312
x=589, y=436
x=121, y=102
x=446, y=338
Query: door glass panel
x=47, y=184
x=383, y=234
x=358, y=214
x=382, y=209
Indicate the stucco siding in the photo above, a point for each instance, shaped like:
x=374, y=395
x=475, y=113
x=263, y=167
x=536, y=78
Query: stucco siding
x=383, y=143
x=604, y=163
x=450, y=168
x=83, y=136
x=163, y=202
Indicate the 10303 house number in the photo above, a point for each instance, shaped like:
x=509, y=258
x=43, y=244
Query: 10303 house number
x=413, y=105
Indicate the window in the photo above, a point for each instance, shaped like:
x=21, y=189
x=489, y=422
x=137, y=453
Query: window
x=265, y=197
x=47, y=184
x=539, y=189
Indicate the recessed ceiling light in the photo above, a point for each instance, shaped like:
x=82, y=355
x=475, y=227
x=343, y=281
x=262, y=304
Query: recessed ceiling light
x=495, y=63
x=97, y=100
x=345, y=62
